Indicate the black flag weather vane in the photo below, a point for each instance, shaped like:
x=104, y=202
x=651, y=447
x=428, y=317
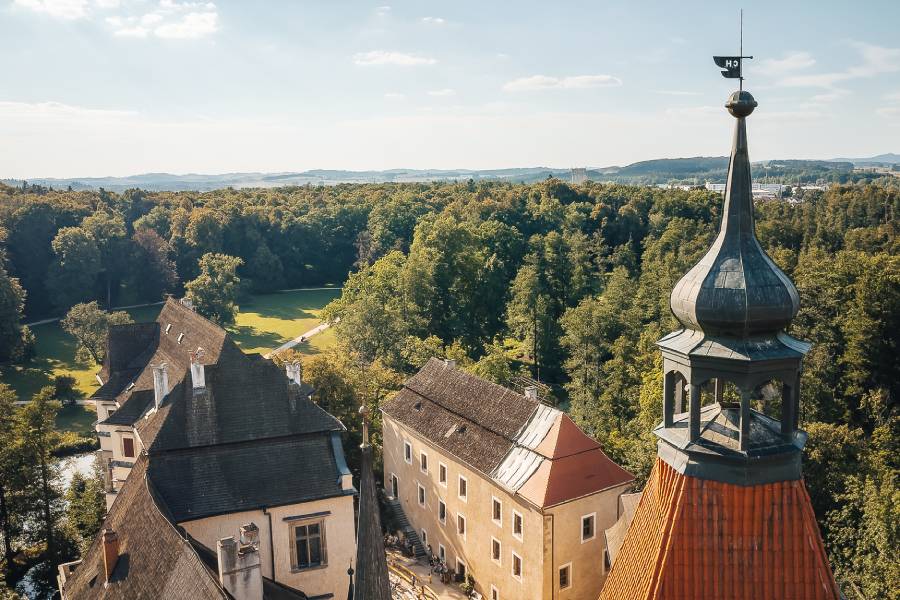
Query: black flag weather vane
x=733, y=65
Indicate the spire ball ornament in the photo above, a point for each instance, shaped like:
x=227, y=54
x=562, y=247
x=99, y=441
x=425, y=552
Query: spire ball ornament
x=741, y=104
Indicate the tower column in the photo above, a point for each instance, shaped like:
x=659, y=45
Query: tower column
x=745, y=420
x=788, y=405
x=720, y=389
x=695, y=412
x=669, y=382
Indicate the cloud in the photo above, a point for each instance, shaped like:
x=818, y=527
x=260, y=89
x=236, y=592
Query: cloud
x=190, y=26
x=383, y=11
x=792, y=61
x=58, y=111
x=394, y=96
x=170, y=19
x=443, y=92
x=433, y=20
x=60, y=9
x=891, y=112
x=676, y=93
x=876, y=60
x=543, y=82
x=387, y=57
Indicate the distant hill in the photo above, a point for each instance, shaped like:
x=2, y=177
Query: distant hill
x=696, y=170
x=882, y=159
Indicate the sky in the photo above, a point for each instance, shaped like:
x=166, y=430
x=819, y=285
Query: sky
x=120, y=87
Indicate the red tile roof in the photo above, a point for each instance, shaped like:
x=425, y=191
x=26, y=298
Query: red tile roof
x=693, y=538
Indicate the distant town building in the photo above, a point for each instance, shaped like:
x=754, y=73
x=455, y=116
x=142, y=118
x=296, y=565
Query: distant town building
x=224, y=479
x=579, y=175
x=771, y=190
x=500, y=486
x=725, y=512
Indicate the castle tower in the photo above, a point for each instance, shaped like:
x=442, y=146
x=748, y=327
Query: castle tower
x=725, y=513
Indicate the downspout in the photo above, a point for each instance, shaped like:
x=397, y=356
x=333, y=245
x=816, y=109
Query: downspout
x=271, y=543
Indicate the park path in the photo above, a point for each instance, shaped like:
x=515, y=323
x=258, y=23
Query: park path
x=300, y=338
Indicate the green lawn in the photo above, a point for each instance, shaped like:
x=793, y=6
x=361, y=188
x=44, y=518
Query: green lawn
x=262, y=324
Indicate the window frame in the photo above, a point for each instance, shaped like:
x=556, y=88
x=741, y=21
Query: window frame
x=423, y=458
x=521, y=535
x=495, y=593
x=323, y=545
x=129, y=438
x=420, y=494
x=442, y=469
x=397, y=479
x=460, y=560
x=512, y=568
x=496, y=501
x=407, y=452
x=442, y=504
x=465, y=525
x=442, y=552
x=593, y=517
x=568, y=568
x=461, y=483
x=499, y=559
x=424, y=538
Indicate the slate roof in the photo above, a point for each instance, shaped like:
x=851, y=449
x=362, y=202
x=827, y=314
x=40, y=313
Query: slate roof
x=155, y=560
x=524, y=446
x=696, y=538
x=214, y=480
x=372, y=582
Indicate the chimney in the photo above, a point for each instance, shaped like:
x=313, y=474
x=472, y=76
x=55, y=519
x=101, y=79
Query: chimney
x=110, y=552
x=449, y=363
x=160, y=383
x=240, y=572
x=294, y=372
x=198, y=372
x=187, y=303
x=531, y=392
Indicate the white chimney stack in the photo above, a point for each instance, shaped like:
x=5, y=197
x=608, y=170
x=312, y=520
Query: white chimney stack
x=198, y=371
x=240, y=572
x=187, y=303
x=450, y=363
x=294, y=372
x=531, y=392
x=160, y=383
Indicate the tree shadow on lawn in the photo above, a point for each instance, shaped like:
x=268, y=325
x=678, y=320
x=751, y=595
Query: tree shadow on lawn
x=249, y=337
x=290, y=305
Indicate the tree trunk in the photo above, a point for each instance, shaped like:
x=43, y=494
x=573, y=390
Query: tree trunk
x=6, y=527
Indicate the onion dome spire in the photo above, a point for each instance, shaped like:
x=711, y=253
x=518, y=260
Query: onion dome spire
x=736, y=290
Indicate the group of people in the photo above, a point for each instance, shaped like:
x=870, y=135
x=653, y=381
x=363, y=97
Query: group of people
x=439, y=567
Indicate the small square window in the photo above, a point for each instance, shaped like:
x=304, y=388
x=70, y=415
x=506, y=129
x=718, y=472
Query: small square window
x=495, y=550
x=407, y=452
x=421, y=494
x=517, y=566
x=442, y=474
x=461, y=525
x=497, y=511
x=463, y=488
x=442, y=512
x=517, y=526
x=423, y=462
x=587, y=527
x=565, y=576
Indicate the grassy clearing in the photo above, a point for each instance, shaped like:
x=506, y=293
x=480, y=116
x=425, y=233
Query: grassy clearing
x=262, y=324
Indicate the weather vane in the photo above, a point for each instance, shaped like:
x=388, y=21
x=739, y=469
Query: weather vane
x=733, y=65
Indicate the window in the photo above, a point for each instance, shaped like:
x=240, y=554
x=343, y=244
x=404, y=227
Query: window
x=128, y=447
x=517, y=566
x=442, y=474
x=495, y=593
x=565, y=576
x=109, y=412
x=517, y=525
x=423, y=462
x=424, y=538
x=309, y=545
x=495, y=550
x=463, y=488
x=587, y=527
x=461, y=568
x=442, y=553
x=421, y=494
x=442, y=512
x=496, y=511
x=395, y=486
x=606, y=562
x=407, y=452
x=461, y=525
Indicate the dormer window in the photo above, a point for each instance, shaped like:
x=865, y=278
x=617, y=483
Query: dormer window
x=180, y=337
x=168, y=327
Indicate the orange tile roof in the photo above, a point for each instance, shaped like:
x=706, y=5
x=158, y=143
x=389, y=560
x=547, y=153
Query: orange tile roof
x=693, y=538
x=565, y=439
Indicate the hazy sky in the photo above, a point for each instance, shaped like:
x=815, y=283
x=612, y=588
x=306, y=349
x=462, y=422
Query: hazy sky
x=117, y=87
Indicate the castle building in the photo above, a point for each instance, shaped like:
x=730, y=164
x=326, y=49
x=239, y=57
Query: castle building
x=500, y=486
x=725, y=513
x=225, y=480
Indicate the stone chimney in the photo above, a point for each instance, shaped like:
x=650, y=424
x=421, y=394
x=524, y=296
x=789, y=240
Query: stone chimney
x=187, y=303
x=449, y=363
x=198, y=372
x=240, y=572
x=294, y=372
x=160, y=383
x=531, y=392
x=110, y=543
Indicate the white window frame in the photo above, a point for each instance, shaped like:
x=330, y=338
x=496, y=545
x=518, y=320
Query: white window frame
x=393, y=477
x=423, y=455
x=568, y=566
x=443, y=468
x=442, y=552
x=499, y=559
x=495, y=593
x=458, y=488
x=512, y=566
x=407, y=452
x=519, y=536
x=442, y=521
x=497, y=522
x=420, y=494
x=593, y=516
x=464, y=564
x=465, y=525
x=424, y=538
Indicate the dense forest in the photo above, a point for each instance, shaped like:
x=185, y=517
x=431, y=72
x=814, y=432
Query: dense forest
x=567, y=285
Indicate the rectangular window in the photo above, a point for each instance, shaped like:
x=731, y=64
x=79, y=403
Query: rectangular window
x=128, y=447
x=442, y=512
x=424, y=538
x=461, y=525
x=517, y=525
x=461, y=568
x=565, y=576
x=495, y=593
x=442, y=553
x=587, y=527
x=463, y=488
x=495, y=550
x=517, y=566
x=395, y=486
x=423, y=462
x=407, y=452
x=496, y=511
x=421, y=494
x=442, y=474
x=309, y=545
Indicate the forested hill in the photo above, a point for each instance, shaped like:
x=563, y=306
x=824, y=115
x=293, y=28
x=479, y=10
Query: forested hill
x=696, y=170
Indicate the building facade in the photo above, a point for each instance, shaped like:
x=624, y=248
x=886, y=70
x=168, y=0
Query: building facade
x=501, y=487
